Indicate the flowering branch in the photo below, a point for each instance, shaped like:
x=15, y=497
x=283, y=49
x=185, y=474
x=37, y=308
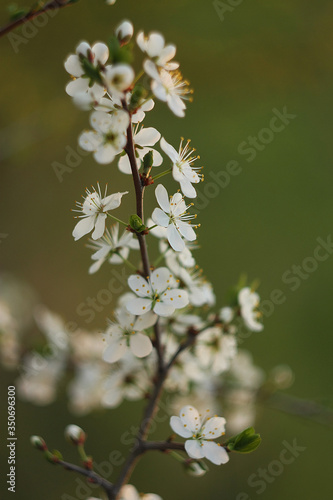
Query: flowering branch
x=29, y=16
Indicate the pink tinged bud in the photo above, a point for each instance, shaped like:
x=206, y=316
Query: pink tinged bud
x=75, y=434
x=38, y=443
x=124, y=32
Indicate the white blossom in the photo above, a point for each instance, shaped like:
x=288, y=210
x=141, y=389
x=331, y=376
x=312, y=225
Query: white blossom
x=215, y=350
x=128, y=492
x=200, y=291
x=173, y=215
x=143, y=140
x=108, y=137
x=118, y=78
x=249, y=303
x=154, y=46
x=97, y=55
x=158, y=293
x=127, y=332
x=129, y=381
x=169, y=87
x=111, y=247
x=94, y=212
x=182, y=169
x=200, y=433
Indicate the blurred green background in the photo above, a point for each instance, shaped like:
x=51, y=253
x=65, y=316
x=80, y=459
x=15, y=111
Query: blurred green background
x=265, y=54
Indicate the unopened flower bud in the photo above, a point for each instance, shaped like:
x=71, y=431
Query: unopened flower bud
x=75, y=434
x=124, y=32
x=38, y=443
x=196, y=469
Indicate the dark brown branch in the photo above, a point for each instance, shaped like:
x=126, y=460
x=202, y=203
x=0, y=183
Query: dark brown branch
x=92, y=476
x=53, y=5
x=139, y=190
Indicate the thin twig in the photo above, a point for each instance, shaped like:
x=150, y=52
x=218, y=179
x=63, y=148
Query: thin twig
x=53, y=5
x=95, y=478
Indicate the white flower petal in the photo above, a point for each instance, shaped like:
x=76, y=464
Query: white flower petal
x=161, y=278
x=187, y=231
x=99, y=227
x=162, y=198
x=174, y=238
x=83, y=227
x=90, y=140
x=101, y=52
x=139, y=306
x=215, y=453
x=77, y=86
x=163, y=310
x=141, y=345
x=115, y=350
x=177, y=298
x=169, y=150
x=190, y=416
x=160, y=218
x=139, y=285
x=213, y=428
x=147, y=137
x=105, y=154
x=113, y=201
x=73, y=66
x=179, y=428
x=193, y=449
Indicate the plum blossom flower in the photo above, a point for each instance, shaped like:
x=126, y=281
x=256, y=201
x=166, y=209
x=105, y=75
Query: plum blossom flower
x=154, y=46
x=112, y=247
x=97, y=55
x=143, y=140
x=127, y=332
x=94, y=212
x=108, y=137
x=129, y=381
x=182, y=169
x=249, y=302
x=128, y=492
x=173, y=216
x=200, y=290
x=215, y=350
x=118, y=78
x=200, y=434
x=158, y=293
x=169, y=87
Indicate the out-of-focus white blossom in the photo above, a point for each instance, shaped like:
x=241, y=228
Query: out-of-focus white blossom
x=108, y=137
x=111, y=247
x=249, y=303
x=154, y=46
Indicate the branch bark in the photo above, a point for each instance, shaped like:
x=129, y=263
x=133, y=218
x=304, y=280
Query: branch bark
x=52, y=5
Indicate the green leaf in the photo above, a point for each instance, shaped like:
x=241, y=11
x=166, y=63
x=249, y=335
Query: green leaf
x=138, y=93
x=245, y=442
x=136, y=223
x=16, y=12
x=120, y=54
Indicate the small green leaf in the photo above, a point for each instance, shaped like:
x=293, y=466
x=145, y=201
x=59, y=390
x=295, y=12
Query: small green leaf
x=57, y=454
x=136, y=223
x=138, y=93
x=245, y=442
x=120, y=54
x=16, y=12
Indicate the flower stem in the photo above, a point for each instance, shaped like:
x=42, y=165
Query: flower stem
x=127, y=262
x=116, y=219
x=162, y=174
